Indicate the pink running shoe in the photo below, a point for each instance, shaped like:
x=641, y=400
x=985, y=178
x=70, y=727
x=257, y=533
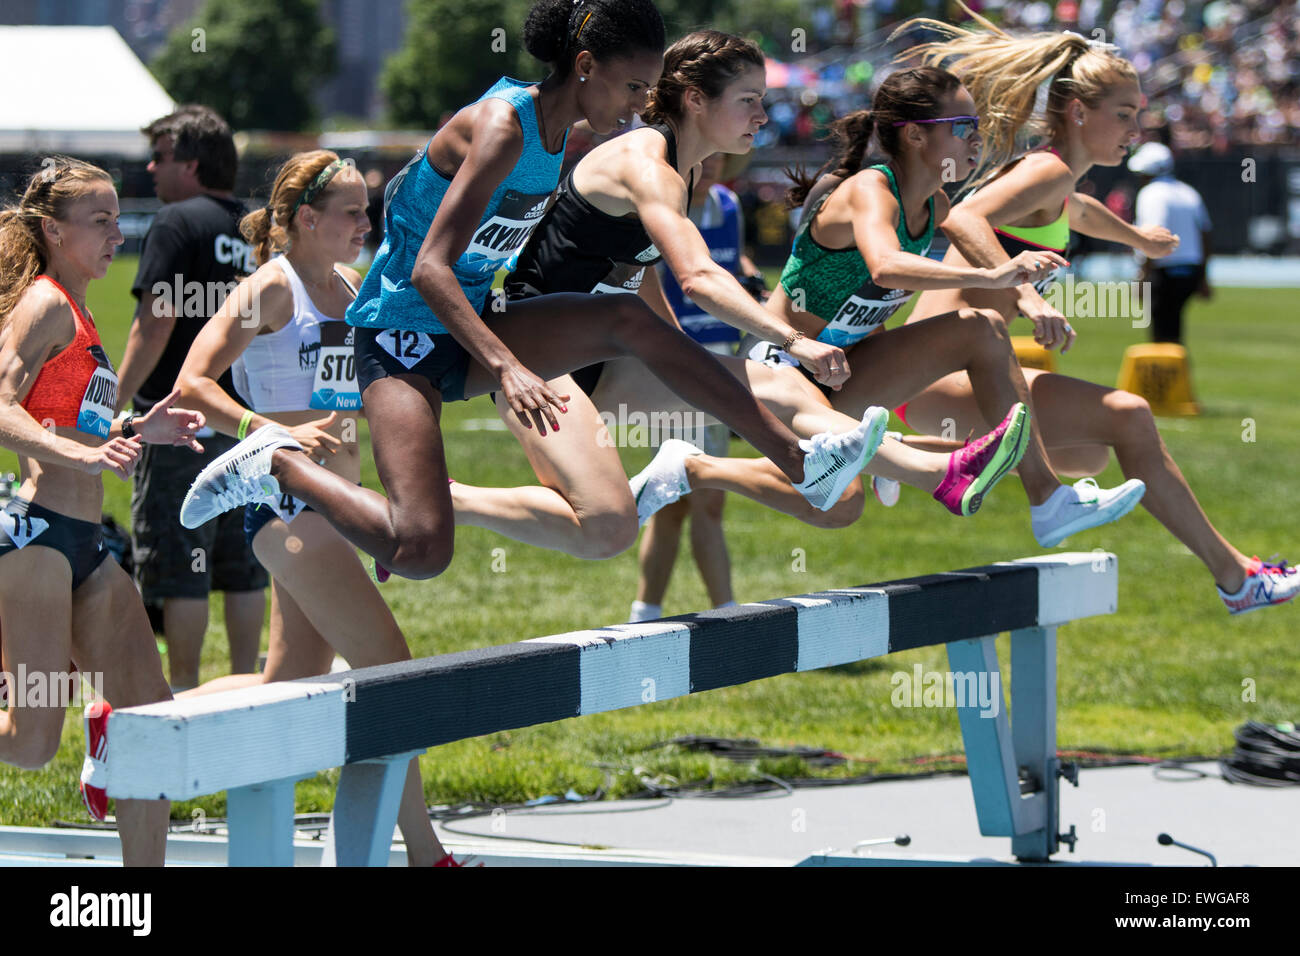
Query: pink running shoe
x=94, y=775
x=976, y=468
x=1266, y=583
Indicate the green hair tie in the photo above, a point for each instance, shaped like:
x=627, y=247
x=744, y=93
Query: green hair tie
x=318, y=184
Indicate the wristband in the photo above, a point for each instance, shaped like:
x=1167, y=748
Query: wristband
x=243, y=425
x=792, y=338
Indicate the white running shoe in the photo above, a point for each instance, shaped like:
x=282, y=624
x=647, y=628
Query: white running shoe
x=240, y=476
x=1082, y=506
x=887, y=490
x=833, y=461
x=662, y=481
x=1266, y=583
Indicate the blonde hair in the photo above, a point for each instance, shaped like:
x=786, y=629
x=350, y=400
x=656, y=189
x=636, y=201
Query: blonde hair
x=269, y=229
x=1005, y=74
x=50, y=192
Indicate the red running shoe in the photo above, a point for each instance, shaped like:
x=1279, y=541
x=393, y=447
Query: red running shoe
x=94, y=775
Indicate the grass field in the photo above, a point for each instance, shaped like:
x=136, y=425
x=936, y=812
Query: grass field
x=1163, y=676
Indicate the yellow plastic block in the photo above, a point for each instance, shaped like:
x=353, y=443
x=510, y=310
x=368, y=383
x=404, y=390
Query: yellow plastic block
x=1032, y=355
x=1160, y=373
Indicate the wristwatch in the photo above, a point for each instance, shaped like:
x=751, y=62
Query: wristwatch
x=128, y=430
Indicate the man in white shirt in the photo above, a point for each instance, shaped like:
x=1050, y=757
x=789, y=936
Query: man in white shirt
x=1169, y=202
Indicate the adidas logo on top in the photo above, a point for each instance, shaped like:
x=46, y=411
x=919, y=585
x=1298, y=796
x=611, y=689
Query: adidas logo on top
x=648, y=254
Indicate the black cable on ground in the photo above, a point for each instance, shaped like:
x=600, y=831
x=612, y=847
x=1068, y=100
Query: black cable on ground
x=1265, y=756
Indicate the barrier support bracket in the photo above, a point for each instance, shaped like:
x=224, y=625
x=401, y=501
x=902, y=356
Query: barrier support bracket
x=365, y=811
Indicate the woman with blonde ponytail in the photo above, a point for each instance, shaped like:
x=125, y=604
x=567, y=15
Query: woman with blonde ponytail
x=1082, y=99
x=60, y=600
x=293, y=365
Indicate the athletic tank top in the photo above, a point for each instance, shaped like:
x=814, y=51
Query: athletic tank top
x=387, y=299
x=836, y=285
x=78, y=387
x=1053, y=237
x=719, y=221
x=581, y=249
x=306, y=364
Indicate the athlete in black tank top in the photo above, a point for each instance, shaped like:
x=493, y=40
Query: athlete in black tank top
x=579, y=248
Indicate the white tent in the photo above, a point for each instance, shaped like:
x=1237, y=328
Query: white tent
x=76, y=90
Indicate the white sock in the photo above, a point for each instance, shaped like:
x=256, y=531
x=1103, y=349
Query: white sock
x=644, y=612
x=725, y=604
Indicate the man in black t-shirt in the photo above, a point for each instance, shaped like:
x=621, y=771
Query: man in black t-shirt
x=193, y=255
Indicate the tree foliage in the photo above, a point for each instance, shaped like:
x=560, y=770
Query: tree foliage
x=256, y=62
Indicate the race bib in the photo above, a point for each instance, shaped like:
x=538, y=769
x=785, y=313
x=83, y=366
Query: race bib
x=100, y=398
x=766, y=353
x=864, y=312
x=335, y=384
x=498, y=241
x=285, y=506
x=404, y=345
x=22, y=529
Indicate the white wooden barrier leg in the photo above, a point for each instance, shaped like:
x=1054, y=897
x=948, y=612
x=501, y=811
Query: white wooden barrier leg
x=1033, y=702
x=365, y=811
x=999, y=751
x=260, y=820
x=990, y=759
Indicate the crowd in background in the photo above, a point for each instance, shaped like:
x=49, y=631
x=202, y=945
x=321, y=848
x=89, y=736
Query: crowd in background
x=1217, y=75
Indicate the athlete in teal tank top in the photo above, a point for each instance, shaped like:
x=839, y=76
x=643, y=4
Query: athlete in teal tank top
x=837, y=283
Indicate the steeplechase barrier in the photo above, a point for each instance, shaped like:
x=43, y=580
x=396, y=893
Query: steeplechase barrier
x=256, y=742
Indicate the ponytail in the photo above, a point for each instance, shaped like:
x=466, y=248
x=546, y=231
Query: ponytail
x=905, y=96
x=1020, y=84
x=850, y=136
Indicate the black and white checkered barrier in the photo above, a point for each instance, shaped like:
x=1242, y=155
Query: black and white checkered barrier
x=254, y=742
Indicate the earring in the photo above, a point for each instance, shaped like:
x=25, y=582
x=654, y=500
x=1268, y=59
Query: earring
x=582, y=79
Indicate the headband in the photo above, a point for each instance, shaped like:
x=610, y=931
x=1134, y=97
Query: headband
x=1095, y=46
x=319, y=183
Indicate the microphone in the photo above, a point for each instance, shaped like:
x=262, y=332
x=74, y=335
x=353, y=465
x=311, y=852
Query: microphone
x=1165, y=839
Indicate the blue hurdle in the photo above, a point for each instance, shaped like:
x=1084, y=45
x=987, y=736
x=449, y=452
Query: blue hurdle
x=257, y=742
